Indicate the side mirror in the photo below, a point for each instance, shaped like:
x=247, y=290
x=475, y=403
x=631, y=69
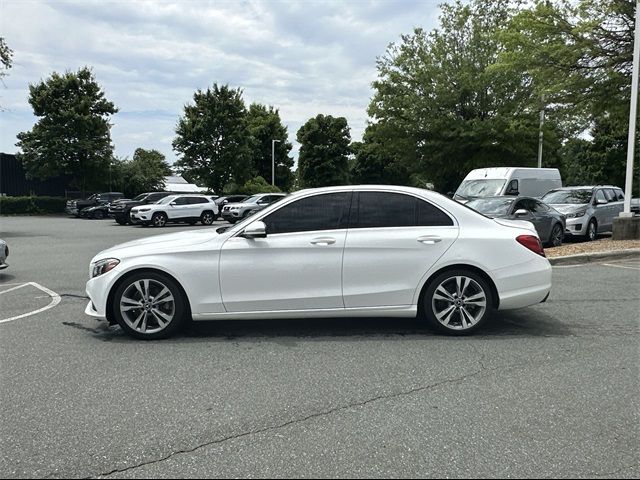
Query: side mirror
x=601, y=201
x=173, y=204
x=255, y=230
x=521, y=213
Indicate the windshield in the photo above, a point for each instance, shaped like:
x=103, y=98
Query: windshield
x=575, y=197
x=140, y=197
x=491, y=207
x=165, y=200
x=480, y=188
x=253, y=199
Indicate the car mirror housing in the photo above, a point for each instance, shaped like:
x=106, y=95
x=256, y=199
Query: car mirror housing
x=255, y=230
x=601, y=201
x=521, y=212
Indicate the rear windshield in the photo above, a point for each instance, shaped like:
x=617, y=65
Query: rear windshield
x=575, y=197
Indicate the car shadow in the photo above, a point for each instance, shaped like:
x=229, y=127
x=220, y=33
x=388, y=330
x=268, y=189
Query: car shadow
x=509, y=324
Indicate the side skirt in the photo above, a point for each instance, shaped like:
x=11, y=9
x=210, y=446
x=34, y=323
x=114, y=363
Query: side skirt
x=403, y=311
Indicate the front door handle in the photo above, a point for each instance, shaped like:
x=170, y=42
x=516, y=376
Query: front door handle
x=429, y=239
x=323, y=241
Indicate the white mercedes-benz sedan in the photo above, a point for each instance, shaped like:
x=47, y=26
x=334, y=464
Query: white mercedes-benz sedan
x=352, y=251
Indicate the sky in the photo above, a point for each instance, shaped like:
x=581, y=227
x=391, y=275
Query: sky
x=303, y=57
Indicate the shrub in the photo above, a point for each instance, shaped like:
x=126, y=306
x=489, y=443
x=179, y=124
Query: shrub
x=257, y=185
x=31, y=205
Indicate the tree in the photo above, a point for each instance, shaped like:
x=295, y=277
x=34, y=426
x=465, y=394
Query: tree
x=443, y=109
x=145, y=172
x=212, y=138
x=265, y=125
x=375, y=164
x=6, y=57
x=72, y=135
x=324, y=149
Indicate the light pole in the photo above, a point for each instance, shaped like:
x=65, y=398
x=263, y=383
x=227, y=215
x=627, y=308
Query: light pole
x=273, y=161
x=541, y=134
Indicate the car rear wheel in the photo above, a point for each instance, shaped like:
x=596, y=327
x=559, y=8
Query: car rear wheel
x=159, y=219
x=557, y=235
x=149, y=305
x=457, y=302
x=121, y=221
x=207, y=218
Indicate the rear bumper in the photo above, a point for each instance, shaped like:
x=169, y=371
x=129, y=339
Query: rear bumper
x=523, y=285
x=3, y=265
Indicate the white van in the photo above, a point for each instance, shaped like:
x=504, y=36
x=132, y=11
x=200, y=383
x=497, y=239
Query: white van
x=497, y=181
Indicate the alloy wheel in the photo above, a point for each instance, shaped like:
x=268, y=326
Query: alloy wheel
x=557, y=236
x=159, y=220
x=147, y=306
x=459, y=303
x=591, y=233
x=207, y=218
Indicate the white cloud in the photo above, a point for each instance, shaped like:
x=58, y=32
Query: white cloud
x=304, y=58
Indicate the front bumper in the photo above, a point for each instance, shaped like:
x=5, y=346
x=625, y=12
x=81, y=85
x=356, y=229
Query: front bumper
x=235, y=214
x=71, y=211
x=577, y=226
x=3, y=265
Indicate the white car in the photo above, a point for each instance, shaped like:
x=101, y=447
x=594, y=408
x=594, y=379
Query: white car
x=176, y=208
x=351, y=251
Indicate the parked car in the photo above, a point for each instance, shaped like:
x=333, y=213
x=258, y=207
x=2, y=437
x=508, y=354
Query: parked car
x=121, y=210
x=4, y=253
x=175, y=208
x=232, y=212
x=74, y=207
x=635, y=206
x=408, y=252
x=514, y=181
x=589, y=209
x=222, y=201
x=100, y=211
x=550, y=224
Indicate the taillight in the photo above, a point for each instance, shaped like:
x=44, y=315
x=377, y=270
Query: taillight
x=532, y=243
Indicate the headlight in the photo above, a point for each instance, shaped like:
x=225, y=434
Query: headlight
x=578, y=214
x=103, y=266
x=143, y=209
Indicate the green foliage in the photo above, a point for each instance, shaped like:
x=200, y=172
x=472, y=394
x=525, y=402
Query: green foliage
x=212, y=138
x=6, y=57
x=256, y=185
x=324, y=149
x=265, y=125
x=441, y=109
x=144, y=173
x=31, y=205
x=72, y=135
x=375, y=164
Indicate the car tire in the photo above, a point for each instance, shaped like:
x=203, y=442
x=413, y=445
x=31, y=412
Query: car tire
x=121, y=221
x=98, y=215
x=557, y=236
x=592, y=230
x=159, y=219
x=141, y=315
x=207, y=218
x=457, y=302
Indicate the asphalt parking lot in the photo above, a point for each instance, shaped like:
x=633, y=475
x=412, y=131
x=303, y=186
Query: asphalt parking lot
x=548, y=391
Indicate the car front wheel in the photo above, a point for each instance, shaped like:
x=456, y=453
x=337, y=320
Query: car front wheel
x=159, y=219
x=592, y=230
x=207, y=218
x=149, y=305
x=457, y=302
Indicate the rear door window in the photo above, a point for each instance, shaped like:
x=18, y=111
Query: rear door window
x=388, y=209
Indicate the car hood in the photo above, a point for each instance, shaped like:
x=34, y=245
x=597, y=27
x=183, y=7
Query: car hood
x=516, y=224
x=158, y=243
x=568, y=207
x=241, y=205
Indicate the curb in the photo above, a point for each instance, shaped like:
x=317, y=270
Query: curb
x=595, y=257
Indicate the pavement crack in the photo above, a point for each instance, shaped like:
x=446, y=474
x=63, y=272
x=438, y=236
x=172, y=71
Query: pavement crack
x=299, y=420
x=73, y=295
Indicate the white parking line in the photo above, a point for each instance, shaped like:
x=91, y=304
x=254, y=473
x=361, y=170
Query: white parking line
x=621, y=266
x=55, y=300
x=14, y=288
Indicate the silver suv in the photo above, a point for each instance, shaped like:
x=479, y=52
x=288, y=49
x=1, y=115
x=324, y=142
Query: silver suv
x=589, y=210
x=232, y=212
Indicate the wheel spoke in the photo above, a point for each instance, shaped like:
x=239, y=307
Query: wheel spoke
x=467, y=319
x=130, y=301
x=143, y=328
x=161, y=321
x=159, y=298
x=445, y=315
x=128, y=308
x=463, y=318
x=458, y=286
x=465, y=283
x=168, y=318
x=442, y=291
x=137, y=321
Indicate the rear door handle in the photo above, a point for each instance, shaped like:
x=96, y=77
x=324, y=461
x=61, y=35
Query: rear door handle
x=323, y=241
x=429, y=239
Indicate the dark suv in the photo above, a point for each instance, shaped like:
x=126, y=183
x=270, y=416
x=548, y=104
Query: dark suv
x=75, y=206
x=121, y=210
